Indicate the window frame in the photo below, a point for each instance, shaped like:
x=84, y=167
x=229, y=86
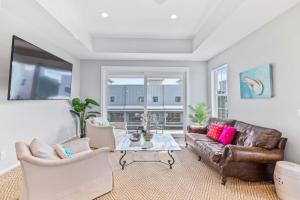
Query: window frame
x=214, y=90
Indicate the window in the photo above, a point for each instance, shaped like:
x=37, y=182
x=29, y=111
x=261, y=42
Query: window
x=112, y=99
x=220, y=96
x=177, y=99
x=116, y=116
x=155, y=99
x=141, y=99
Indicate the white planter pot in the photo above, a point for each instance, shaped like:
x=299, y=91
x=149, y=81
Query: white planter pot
x=287, y=180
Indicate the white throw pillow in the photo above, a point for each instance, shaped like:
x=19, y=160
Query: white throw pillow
x=100, y=121
x=63, y=152
x=42, y=150
x=78, y=145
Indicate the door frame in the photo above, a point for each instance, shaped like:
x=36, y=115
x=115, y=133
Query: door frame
x=145, y=72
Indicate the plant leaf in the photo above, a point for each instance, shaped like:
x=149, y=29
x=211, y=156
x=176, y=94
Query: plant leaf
x=91, y=101
x=75, y=113
x=93, y=112
x=89, y=116
x=79, y=108
x=201, y=113
x=75, y=101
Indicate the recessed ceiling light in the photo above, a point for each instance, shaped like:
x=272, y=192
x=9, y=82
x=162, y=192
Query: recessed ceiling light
x=173, y=16
x=104, y=14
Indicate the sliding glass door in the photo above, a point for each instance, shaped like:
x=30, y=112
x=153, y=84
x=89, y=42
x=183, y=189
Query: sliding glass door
x=165, y=103
x=162, y=96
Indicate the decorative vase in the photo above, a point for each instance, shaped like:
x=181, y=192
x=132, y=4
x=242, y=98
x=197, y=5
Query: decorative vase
x=148, y=136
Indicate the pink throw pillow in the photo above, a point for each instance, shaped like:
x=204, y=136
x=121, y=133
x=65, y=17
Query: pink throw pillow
x=227, y=135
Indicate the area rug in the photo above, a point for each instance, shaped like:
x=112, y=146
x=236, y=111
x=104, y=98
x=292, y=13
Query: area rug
x=188, y=180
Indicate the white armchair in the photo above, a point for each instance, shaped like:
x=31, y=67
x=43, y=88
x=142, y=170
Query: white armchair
x=105, y=136
x=83, y=177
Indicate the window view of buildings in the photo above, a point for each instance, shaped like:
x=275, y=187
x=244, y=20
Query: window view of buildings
x=126, y=103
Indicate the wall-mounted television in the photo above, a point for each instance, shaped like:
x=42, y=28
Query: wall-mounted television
x=36, y=74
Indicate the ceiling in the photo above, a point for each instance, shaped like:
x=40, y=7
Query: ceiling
x=143, y=29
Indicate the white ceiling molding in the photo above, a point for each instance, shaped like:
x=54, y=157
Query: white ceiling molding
x=143, y=30
x=137, y=45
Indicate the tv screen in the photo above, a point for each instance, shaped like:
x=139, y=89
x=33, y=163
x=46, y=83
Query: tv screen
x=36, y=74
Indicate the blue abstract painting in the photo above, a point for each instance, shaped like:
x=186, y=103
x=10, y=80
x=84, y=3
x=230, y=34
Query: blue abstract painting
x=257, y=83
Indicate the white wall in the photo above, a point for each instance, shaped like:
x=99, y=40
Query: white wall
x=91, y=76
x=24, y=120
x=277, y=43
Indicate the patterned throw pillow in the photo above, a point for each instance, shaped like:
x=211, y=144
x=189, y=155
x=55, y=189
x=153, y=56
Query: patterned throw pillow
x=63, y=152
x=227, y=135
x=215, y=131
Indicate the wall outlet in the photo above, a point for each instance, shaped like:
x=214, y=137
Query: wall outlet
x=2, y=155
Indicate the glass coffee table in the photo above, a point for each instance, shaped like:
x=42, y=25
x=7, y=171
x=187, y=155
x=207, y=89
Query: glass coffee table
x=159, y=143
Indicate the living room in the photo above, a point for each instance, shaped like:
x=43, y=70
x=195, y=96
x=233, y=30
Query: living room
x=147, y=68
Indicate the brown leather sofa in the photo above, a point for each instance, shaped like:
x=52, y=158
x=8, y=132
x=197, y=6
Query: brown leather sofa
x=251, y=157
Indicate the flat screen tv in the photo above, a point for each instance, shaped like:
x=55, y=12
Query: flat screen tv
x=36, y=74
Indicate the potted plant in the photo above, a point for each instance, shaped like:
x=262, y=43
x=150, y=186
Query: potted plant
x=200, y=113
x=81, y=110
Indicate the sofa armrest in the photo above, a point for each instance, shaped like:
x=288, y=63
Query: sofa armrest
x=196, y=129
x=251, y=154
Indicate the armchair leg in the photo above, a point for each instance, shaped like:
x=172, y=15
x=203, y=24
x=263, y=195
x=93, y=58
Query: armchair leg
x=224, y=180
x=199, y=158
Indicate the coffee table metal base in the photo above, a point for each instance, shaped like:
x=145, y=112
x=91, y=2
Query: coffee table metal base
x=124, y=163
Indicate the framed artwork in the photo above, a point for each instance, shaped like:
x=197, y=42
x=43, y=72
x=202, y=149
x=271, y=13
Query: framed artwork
x=257, y=83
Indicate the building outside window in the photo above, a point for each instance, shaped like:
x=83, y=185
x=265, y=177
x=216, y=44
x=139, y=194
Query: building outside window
x=112, y=99
x=220, y=95
x=155, y=99
x=141, y=99
x=177, y=99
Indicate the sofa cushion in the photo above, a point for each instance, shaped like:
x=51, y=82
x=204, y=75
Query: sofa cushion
x=215, y=131
x=41, y=149
x=256, y=136
x=212, y=149
x=196, y=136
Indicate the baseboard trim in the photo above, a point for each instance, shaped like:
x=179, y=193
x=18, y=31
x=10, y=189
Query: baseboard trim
x=2, y=172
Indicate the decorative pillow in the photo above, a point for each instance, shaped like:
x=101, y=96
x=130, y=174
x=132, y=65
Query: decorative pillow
x=78, y=145
x=227, y=135
x=63, y=152
x=215, y=131
x=100, y=121
x=42, y=150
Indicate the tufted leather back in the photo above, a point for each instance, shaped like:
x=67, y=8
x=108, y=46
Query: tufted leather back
x=255, y=136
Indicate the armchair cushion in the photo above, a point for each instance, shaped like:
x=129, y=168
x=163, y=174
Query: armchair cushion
x=252, y=154
x=42, y=150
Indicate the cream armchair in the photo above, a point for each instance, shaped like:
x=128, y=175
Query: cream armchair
x=83, y=177
x=105, y=136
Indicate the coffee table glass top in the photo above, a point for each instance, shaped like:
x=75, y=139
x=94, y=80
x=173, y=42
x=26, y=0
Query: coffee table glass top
x=159, y=142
